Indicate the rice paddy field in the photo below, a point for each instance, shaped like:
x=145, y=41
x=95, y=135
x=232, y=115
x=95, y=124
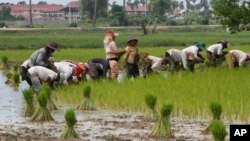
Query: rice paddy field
x=190, y=93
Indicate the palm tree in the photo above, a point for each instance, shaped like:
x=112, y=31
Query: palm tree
x=30, y=11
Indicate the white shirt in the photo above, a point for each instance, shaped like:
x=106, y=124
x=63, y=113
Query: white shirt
x=192, y=49
x=215, y=49
x=239, y=55
x=156, y=62
x=64, y=69
x=42, y=72
x=179, y=56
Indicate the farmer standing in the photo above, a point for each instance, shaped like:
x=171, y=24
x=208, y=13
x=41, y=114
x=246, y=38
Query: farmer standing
x=40, y=74
x=112, y=52
x=215, y=52
x=131, y=57
x=237, y=58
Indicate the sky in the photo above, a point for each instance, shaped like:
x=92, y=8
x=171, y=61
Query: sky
x=63, y=2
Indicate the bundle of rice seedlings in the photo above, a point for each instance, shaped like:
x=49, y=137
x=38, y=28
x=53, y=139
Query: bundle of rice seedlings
x=28, y=96
x=87, y=103
x=16, y=79
x=216, y=110
x=163, y=126
x=42, y=113
x=15, y=67
x=9, y=78
x=151, y=114
x=218, y=130
x=50, y=104
x=5, y=62
x=69, y=131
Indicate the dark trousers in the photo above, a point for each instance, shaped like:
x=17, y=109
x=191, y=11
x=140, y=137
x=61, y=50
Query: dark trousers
x=24, y=74
x=104, y=63
x=132, y=70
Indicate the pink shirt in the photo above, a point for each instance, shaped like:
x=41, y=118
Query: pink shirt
x=110, y=48
x=239, y=56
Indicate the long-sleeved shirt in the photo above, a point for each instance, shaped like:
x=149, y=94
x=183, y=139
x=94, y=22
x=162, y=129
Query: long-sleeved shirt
x=39, y=58
x=110, y=50
x=131, y=54
x=64, y=68
x=179, y=56
x=42, y=73
x=239, y=56
x=215, y=49
x=194, y=50
x=156, y=62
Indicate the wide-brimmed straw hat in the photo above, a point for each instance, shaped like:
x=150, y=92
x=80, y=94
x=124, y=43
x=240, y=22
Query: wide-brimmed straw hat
x=224, y=43
x=131, y=38
x=52, y=45
x=114, y=34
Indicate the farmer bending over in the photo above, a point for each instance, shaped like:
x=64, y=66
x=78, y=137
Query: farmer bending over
x=215, y=52
x=237, y=58
x=39, y=75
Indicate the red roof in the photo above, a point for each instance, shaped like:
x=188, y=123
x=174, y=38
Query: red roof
x=74, y=4
x=139, y=8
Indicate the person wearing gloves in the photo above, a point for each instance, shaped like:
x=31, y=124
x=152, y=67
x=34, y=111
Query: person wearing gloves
x=179, y=57
x=195, y=50
x=112, y=53
x=215, y=52
x=237, y=58
x=40, y=74
x=131, y=57
x=41, y=57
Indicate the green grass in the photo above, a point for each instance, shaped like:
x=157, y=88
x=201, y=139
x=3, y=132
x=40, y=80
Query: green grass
x=90, y=38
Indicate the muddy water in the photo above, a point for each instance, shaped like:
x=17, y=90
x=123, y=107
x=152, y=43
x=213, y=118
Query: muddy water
x=96, y=125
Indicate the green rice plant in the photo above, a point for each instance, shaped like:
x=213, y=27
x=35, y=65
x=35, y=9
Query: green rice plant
x=5, y=62
x=16, y=79
x=69, y=131
x=87, y=103
x=163, y=126
x=42, y=113
x=218, y=130
x=28, y=96
x=9, y=76
x=15, y=67
x=216, y=110
x=50, y=103
x=151, y=114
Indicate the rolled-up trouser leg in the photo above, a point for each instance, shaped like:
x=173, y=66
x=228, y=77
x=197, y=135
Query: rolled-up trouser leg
x=35, y=83
x=113, y=68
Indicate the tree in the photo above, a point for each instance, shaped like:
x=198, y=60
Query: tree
x=117, y=15
x=161, y=7
x=30, y=11
x=234, y=14
x=88, y=6
x=42, y=3
x=21, y=3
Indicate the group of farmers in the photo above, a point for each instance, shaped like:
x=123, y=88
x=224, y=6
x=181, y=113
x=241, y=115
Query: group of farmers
x=40, y=67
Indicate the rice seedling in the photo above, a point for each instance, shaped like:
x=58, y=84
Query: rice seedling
x=9, y=78
x=42, y=113
x=87, y=103
x=151, y=114
x=15, y=67
x=5, y=62
x=69, y=131
x=28, y=96
x=16, y=79
x=216, y=110
x=50, y=103
x=218, y=130
x=163, y=126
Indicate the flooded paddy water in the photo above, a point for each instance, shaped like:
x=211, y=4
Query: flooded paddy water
x=93, y=125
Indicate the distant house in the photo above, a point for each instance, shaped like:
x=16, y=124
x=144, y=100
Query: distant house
x=140, y=9
x=72, y=11
x=39, y=12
